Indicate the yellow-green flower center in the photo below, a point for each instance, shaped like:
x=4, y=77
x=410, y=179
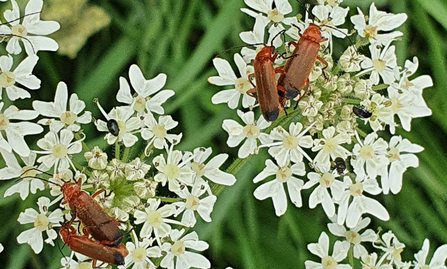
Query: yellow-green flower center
x=353, y=237
x=68, y=117
x=366, y=152
x=192, y=202
x=41, y=222
x=19, y=30
x=328, y=262
x=178, y=248
x=59, y=151
x=330, y=145
x=4, y=122
x=326, y=179
x=154, y=218
x=283, y=174
x=275, y=16
x=356, y=189
x=251, y=131
x=7, y=79
x=140, y=104
x=139, y=254
x=379, y=65
x=159, y=131
x=242, y=85
x=370, y=31
x=198, y=168
x=393, y=154
x=172, y=171
x=290, y=142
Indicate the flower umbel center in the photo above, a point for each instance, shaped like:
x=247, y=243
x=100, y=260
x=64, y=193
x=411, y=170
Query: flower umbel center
x=154, y=218
x=68, y=117
x=159, y=131
x=41, y=222
x=379, y=65
x=242, y=85
x=198, y=168
x=59, y=151
x=275, y=16
x=330, y=145
x=19, y=30
x=192, y=202
x=366, y=152
x=353, y=237
x=140, y=104
x=139, y=254
x=283, y=174
x=328, y=262
x=290, y=142
x=251, y=131
x=178, y=248
x=326, y=179
x=356, y=189
x=172, y=171
x=7, y=79
x=4, y=122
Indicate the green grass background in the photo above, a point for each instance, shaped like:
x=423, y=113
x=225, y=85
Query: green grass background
x=180, y=38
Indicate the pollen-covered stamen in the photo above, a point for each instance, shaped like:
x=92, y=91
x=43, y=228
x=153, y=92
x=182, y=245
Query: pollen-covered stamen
x=290, y=142
x=178, y=248
x=370, y=31
x=192, y=202
x=326, y=180
x=159, y=131
x=19, y=30
x=140, y=104
x=251, y=131
x=330, y=145
x=4, y=122
x=59, y=151
x=7, y=79
x=328, y=262
x=366, y=152
x=198, y=168
x=356, y=189
x=379, y=65
x=275, y=16
x=393, y=154
x=172, y=171
x=283, y=174
x=154, y=218
x=41, y=222
x=138, y=255
x=353, y=237
x=242, y=85
x=68, y=117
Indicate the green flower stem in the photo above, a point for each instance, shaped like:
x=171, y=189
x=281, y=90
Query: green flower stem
x=117, y=150
x=351, y=256
x=126, y=154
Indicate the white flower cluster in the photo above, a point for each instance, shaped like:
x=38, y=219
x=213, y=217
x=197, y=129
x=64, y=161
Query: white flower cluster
x=332, y=145
x=136, y=194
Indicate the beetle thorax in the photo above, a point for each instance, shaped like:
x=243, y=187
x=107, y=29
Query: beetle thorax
x=70, y=190
x=312, y=33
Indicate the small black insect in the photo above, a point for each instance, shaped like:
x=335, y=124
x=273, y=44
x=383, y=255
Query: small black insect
x=113, y=127
x=361, y=112
x=340, y=165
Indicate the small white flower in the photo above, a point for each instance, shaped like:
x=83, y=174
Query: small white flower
x=351, y=210
x=173, y=170
x=373, y=262
x=127, y=124
x=370, y=153
x=378, y=21
x=321, y=249
x=68, y=118
x=251, y=131
x=350, y=60
x=22, y=74
x=192, y=203
x=136, y=170
x=290, y=146
x=57, y=149
x=177, y=254
x=309, y=106
x=329, y=17
x=140, y=254
x=400, y=157
x=43, y=221
x=12, y=134
x=381, y=63
x=275, y=188
x=354, y=237
x=156, y=133
x=392, y=248
x=321, y=195
x=31, y=29
x=96, y=158
x=329, y=147
x=437, y=261
x=156, y=219
x=210, y=170
x=144, y=88
x=228, y=77
x=381, y=110
x=29, y=181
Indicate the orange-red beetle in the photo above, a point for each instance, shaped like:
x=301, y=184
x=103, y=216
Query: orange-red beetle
x=91, y=248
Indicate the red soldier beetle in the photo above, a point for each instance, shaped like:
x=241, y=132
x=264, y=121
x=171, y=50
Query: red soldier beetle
x=91, y=248
x=299, y=65
x=96, y=221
